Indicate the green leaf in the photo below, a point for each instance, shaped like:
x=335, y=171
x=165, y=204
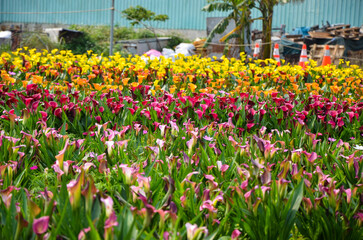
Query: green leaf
x=219, y=28
x=220, y=6
x=295, y=201
x=94, y=234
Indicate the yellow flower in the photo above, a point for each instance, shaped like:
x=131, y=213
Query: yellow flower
x=134, y=84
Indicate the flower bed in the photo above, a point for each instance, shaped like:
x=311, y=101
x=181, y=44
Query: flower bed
x=123, y=148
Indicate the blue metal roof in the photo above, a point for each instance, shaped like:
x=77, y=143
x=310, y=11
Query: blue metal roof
x=183, y=14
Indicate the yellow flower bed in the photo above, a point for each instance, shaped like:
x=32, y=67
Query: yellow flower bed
x=63, y=69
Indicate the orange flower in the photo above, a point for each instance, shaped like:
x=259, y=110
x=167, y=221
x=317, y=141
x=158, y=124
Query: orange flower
x=54, y=73
x=191, y=77
x=37, y=79
x=125, y=81
x=172, y=89
x=176, y=79
x=346, y=91
x=81, y=81
x=192, y=87
x=7, y=77
x=141, y=78
x=91, y=76
x=25, y=83
x=295, y=87
x=335, y=89
x=97, y=86
x=27, y=75
x=315, y=86
x=203, y=90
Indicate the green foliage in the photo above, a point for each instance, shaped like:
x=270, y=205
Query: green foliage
x=38, y=41
x=175, y=41
x=97, y=38
x=144, y=33
x=82, y=44
x=140, y=14
x=5, y=48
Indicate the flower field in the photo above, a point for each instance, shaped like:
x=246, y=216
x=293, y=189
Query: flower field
x=123, y=148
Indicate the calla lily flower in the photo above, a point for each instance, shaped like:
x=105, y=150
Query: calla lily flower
x=6, y=195
x=235, y=234
x=193, y=231
x=60, y=156
x=40, y=225
x=110, y=222
x=74, y=189
x=108, y=204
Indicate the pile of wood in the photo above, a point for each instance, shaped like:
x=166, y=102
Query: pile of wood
x=199, y=47
x=317, y=53
x=344, y=31
x=295, y=38
x=355, y=57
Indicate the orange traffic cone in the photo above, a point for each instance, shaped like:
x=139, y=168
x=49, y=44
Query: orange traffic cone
x=303, y=57
x=277, y=54
x=326, y=59
x=256, y=52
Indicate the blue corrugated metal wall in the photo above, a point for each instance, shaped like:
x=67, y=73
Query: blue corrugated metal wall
x=183, y=14
x=313, y=12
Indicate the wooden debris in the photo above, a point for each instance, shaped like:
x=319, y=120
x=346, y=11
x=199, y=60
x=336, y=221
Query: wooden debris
x=199, y=47
x=338, y=27
x=355, y=57
x=293, y=36
x=345, y=31
x=320, y=35
x=317, y=53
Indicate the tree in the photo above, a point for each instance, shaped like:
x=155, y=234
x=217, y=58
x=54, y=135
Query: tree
x=240, y=13
x=266, y=7
x=137, y=15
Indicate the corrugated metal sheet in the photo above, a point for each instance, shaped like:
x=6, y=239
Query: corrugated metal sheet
x=183, y=14
x=313, y=12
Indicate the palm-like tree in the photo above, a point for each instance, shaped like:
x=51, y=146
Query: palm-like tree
x=266, y=7
x=239, y=12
